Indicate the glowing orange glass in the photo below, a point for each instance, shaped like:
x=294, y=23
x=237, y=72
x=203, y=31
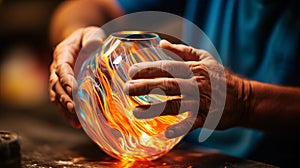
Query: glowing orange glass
x=105, y=111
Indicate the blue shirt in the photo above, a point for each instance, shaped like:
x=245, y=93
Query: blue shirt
x=258, y=39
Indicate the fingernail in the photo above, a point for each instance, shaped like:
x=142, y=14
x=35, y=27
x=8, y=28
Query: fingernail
x=69, y=90
x=170, y=133
x=70, y=107
x=127, y=87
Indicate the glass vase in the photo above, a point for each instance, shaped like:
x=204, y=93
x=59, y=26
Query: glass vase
x=105, y=111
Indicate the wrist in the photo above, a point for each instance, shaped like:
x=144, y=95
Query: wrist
x=242, y=104
x=247, y=99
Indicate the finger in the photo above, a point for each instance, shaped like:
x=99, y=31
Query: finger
x=71, y=117
x=67, y=50
x=92, y=34
x=184, y=127
x=91, y=41
x=53, y=79
x=90, y=49
x=52, y=95
x=66, y=77
x=169, y=86
x=61, y=95
x=187, y=53
x=200, y=71
x=157, y=69
x=171, y=107
x=61, y=68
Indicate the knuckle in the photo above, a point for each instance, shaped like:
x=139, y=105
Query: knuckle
x=201, y=80
x=67, y=80
x=62, y=66
x=64, y=98
x=169, y=84
x=59, y=67
x=199, y=69
x=189, y=50
x=64, y=81
x=64, y=69
x=174, y=106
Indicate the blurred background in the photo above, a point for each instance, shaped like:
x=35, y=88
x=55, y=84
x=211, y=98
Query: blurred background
x=25, y=56
x=25, y=53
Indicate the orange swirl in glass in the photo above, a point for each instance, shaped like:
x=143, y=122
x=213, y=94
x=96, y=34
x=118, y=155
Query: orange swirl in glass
x=105, y=111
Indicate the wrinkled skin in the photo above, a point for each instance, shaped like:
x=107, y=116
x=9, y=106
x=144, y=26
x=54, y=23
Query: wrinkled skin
x=197, y=69
x=62, y=80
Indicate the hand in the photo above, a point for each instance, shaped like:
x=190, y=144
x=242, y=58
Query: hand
x=62, y=80
x=199, y=68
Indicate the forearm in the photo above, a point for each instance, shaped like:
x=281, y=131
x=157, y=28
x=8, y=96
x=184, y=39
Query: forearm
x=72, y=15
x=274, y=108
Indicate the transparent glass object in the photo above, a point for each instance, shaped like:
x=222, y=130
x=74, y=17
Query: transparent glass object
x=105, y=111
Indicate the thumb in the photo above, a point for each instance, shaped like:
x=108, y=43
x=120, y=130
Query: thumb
x=92, y=39
x=187, y=53
x=184, y=127
x=92, y=34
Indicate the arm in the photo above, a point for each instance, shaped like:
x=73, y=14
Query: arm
x=274, y=108
x=71, y=15
x=247, y=103
x=72, y=29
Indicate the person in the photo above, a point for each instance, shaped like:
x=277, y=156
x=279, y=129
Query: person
x=257, y=39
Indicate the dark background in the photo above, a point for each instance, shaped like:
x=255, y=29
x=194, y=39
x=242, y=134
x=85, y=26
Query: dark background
x=25, y=56
x=25, y=53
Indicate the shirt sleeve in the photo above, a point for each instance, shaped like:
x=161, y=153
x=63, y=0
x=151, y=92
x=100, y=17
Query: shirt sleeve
x=175, y=7
x=130, y=6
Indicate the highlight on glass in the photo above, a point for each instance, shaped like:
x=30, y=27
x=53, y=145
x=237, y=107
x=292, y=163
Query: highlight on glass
x=105, y=111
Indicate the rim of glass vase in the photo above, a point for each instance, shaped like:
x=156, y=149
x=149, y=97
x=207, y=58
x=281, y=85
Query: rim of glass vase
x=135, y=35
